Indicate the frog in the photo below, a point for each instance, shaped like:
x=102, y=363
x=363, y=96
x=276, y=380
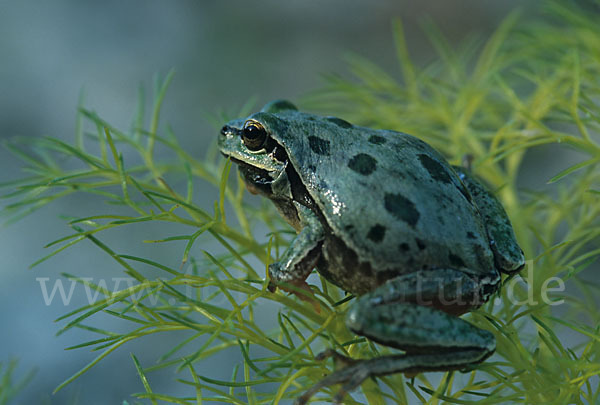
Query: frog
x=385, y=217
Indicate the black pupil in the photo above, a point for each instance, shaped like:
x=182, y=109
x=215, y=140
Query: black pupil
x=254, y=136
x=252, y=132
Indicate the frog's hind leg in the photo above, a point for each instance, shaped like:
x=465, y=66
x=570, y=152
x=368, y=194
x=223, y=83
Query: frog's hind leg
x=433, y=339
x=507, y=253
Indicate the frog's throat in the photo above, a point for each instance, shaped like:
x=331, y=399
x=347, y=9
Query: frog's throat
x=268, y=182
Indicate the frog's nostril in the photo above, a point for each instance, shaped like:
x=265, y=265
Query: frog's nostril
x=225, y=130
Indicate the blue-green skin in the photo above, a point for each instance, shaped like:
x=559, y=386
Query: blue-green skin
x=382, y=215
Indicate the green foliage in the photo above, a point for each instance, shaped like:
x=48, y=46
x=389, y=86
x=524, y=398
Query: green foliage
x=532, y=83
x=8, y=387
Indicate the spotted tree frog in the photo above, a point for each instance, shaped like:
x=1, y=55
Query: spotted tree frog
x=384, y=216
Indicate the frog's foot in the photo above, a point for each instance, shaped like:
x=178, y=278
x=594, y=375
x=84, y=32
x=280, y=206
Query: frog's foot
x=353, y=375
x=294, y=283
x=288, y=283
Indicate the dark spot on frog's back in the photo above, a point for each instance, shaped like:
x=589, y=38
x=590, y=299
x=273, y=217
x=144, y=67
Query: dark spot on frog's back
x=376, y=233
x=401, y=208
x=377, y=139
x=339, y=122
x=318, y=145
x=456, y=261
x=404, y=247
x=385, y=275
x=435, y=168
x=363, y=164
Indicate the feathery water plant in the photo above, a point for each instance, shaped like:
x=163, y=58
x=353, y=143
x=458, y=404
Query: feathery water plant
x=530, y=84
x=9, y=388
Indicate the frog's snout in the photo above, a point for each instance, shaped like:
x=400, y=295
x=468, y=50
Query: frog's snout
x=228, y=130
x=228, y=138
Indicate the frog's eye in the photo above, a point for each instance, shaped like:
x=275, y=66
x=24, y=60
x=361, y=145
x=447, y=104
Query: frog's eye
x=254, y=135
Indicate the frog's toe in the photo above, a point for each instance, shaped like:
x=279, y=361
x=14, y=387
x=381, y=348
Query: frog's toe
x=351, y=377
x=338, y=359
x=326, y=354
x=356, y=380
x=272, y=287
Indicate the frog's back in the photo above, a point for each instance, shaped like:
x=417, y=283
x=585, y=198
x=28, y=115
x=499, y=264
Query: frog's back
x=392, y=199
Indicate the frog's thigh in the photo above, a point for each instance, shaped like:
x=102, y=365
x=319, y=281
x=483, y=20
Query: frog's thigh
x=408, y=313
x=449, y=290
x=507, y=253
x=421, y=330
x=303, y=253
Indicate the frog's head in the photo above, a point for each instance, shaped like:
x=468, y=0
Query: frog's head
x=261, y=159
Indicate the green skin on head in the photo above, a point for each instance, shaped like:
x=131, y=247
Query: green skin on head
x=384, y=216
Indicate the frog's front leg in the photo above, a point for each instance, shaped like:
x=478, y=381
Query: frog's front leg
x=302, y=255
x=432, y=338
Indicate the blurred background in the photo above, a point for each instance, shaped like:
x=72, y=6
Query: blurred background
x=223, y=53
